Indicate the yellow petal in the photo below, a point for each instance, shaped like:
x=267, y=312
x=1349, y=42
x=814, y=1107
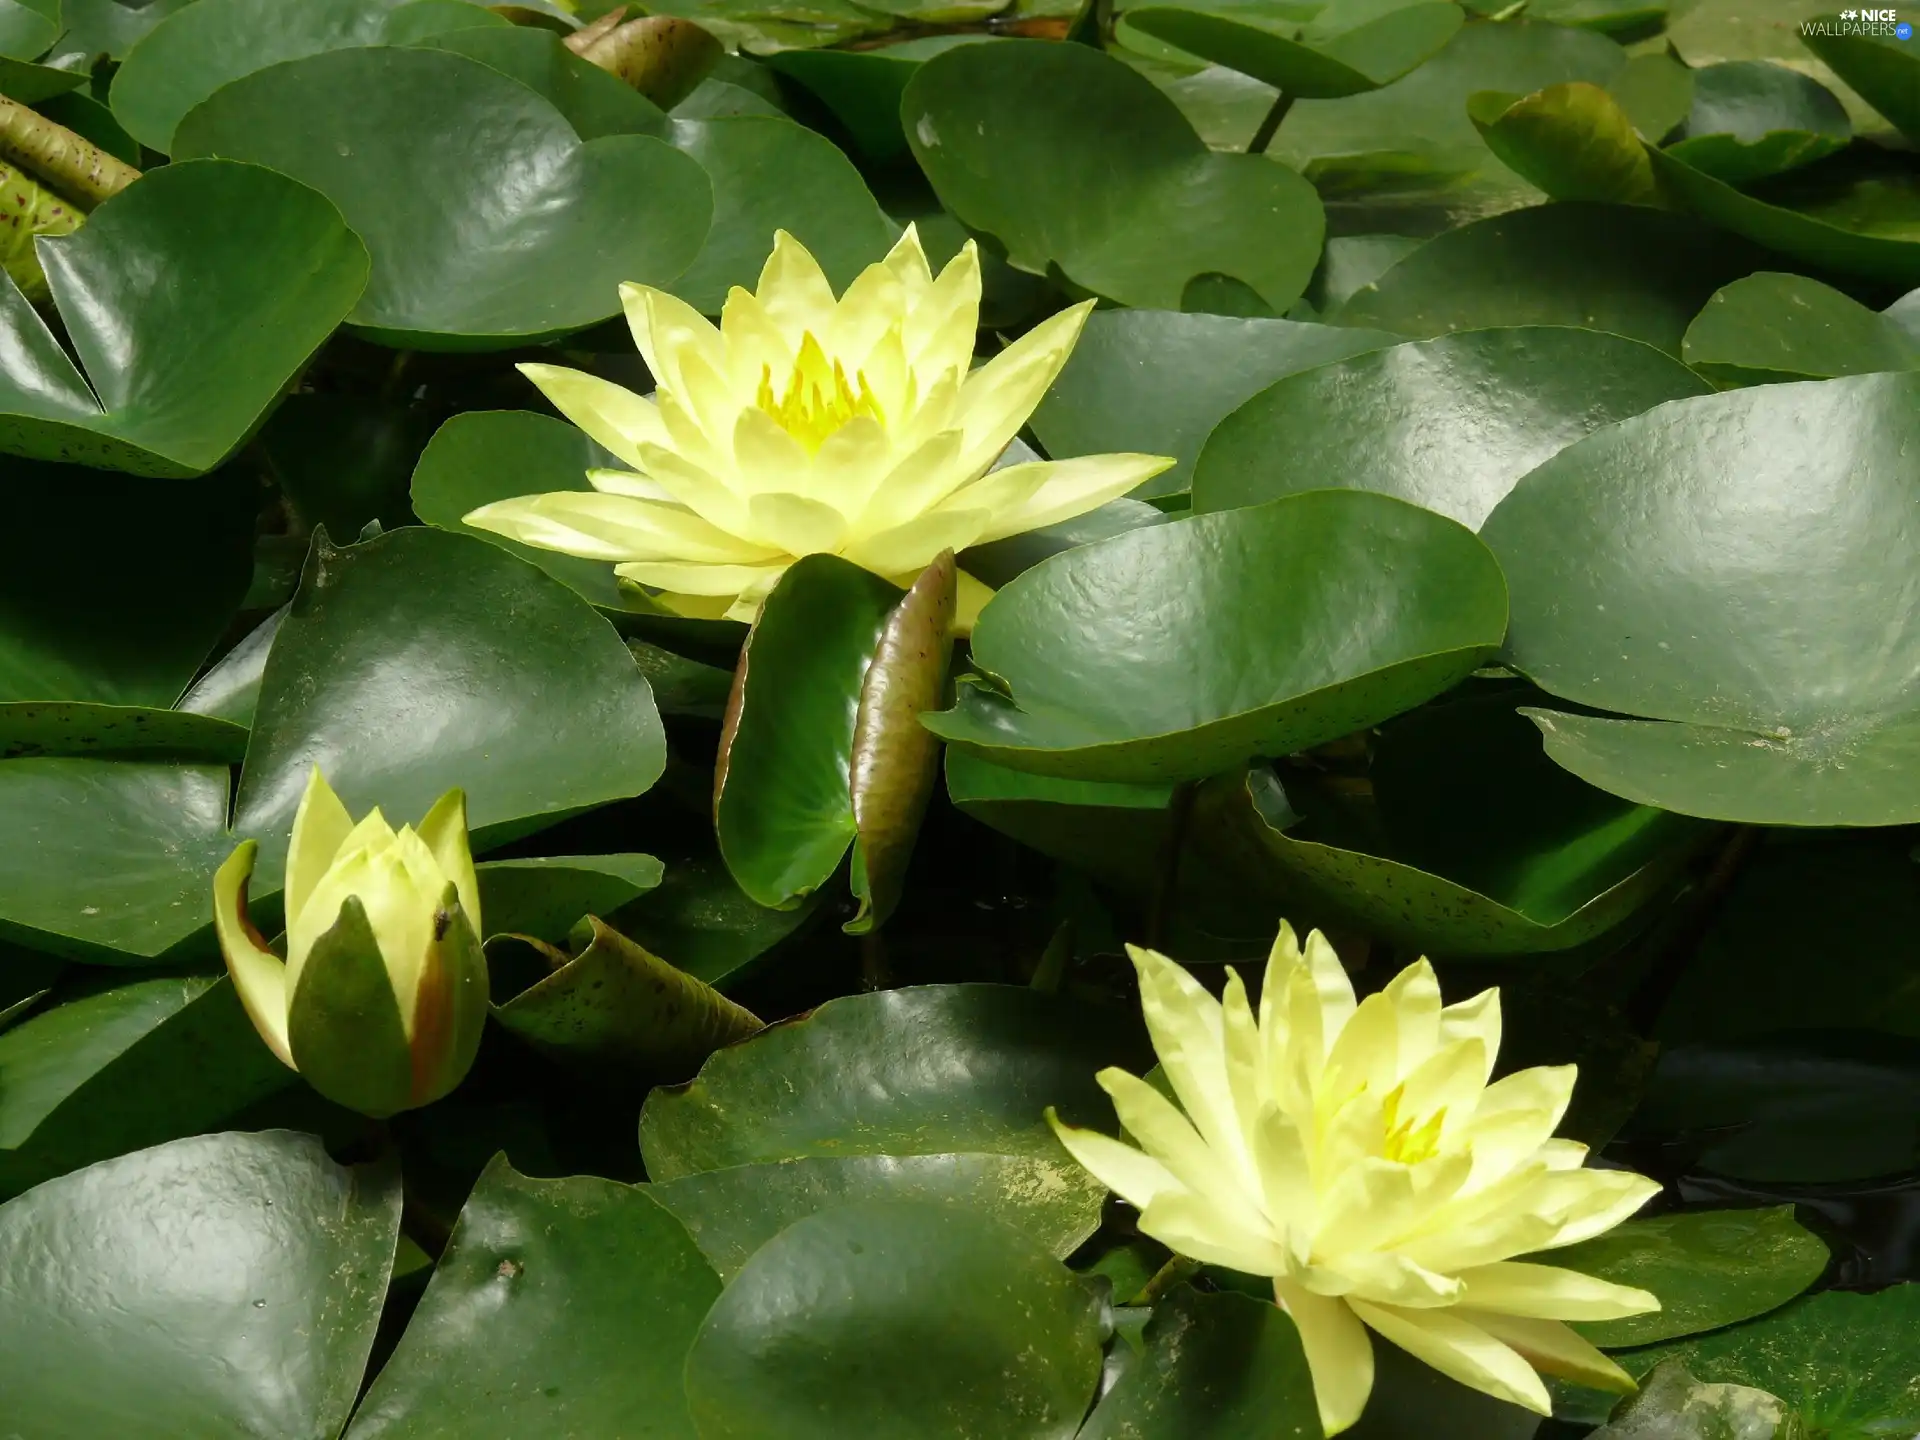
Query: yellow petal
x=1135, y=1177
x=1215, y=1233
x=347, y=869
x=1367, y=1053
x=1372, y=1203
x=997, y=398
x=908, y=262
x=631, y=484
x=924, y=477
x=259, y=975
x=1550, y=1346
x=1331, y=984
x=1384, y=1279
x=850, y=466
x=1478, y=1018
x=1415, y=993
x=1446, y=1085
x=666, y=329
x=611, y=414
x=699, y=489
x=616, y=528
x=1339, y=1354
x=912, y=546
x=796, y=525
x=1170, y=1137
x=794, y=290
x=690, y=579
x=1594, y=1201
x=755, y=345
x=873, y=304
x=320, y=827
x=1460, y=1351
x=1070, y=488
x=1185, y=1024
x=444, y=831
x=943, y=322
x=1549, y=1293
x=766, y=456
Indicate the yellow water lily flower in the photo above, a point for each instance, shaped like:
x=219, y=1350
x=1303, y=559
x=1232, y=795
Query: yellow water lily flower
x=805, y=425
x=1357, y=1154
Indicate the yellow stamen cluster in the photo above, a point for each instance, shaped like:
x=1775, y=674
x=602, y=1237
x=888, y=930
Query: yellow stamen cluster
x=817, y=399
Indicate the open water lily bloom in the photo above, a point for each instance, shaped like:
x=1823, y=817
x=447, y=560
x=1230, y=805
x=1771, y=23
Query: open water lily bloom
x=1357, y=1154
x=805, y=425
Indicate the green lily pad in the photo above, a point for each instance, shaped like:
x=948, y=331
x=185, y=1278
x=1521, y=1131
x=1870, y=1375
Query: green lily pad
x=770, y=174
x=230, y=688
x=1113, y=662
x=1574, y=141
x=734, y=1211
x=1115, y=833
x=372, y=129
x=1345, y=48
x=616, y=1009
x=1226, y=1366
x=929, y=1070
x=1474, y=844
x=704, y=924
x=1074, y=162
x=1709, y=1268
x=545, y=897
x=998, y=561
x=1751, y=120
x=1709, y=567
x=223, y=1287
x=110, y=861
x=68, y=727
x=827, y=1332
x=1711, y=31
x=1882, y=69
x=1791, y=327
x=106, y=641
x=419, y=661
x=198, y=48
x=1812, y=935
x=259, y=270
x=594, y=101
x=30, y=84
x=863, y=88
x=121, y=1065
x=1154, y=382
x=1410, y=149
x=1451, y=424
x=1672, y=1405
x=1620, y=268
x=1854, y=214
x=28, y=27
x=561, y=1307
x=93, y=30
x=1847, y=1367
x=487, y=455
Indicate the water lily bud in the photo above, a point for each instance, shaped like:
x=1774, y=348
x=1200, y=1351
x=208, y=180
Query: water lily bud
x=382, y=997
x=1356, y=1153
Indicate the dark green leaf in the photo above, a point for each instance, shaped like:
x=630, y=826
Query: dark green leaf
x=529, y=238
x=561, y=1307
x=1846, y=1366
x=1884, y=70
x=1216, y=1367
x=1072, y=161
x=922, y=1071
x=733, y=1211
x=595, y=102
x=258, y=271
x=418, y=662
x=225, y=1287
x=546, y=897
x=1751, y=119
x=122, y=1065
x=1344, y=49
x=703, y=923
x=827, y=1332
x=1703, y=567
x=863, y=87
x=96, y=29
x=1450, y=424
x=1154, y=382
x=1790, y=327
x=616, y=1008
x=344, y=461
x=1709, y=1268
x=1574, y=141
x=764, y=26
x=1630, y=271
x=1128, y=660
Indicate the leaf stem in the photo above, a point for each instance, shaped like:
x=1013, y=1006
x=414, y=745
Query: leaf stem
x=1263, y=137
x=1177, y=1270
x=1166, y=883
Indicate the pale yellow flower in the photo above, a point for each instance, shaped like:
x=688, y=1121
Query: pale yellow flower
x=1357, y=1155
x=805, y=424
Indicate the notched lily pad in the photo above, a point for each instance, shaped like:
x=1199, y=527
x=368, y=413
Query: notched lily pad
x=1751, y=120
x=1771, y=327
x=1129, y=660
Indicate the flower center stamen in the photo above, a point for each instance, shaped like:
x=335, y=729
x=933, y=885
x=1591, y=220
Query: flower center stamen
x=818, y=398
x=1411, y=1140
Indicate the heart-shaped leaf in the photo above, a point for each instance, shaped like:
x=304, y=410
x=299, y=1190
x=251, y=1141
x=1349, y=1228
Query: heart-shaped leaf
x=190, y=299
x=1074, y=162
x=1772, y=326
x=122, y=1065
x=1709, y=1268
x=594, y=101
x=876, y=1075
x=576, y=1298
x=1720, y=567
x=1154, y=382
x=826, y=1331
x=1450, y=424
x=451, y=243
x=226, y=1286
x=735, y=1210
x=1619, y=268
x=1128, y=660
